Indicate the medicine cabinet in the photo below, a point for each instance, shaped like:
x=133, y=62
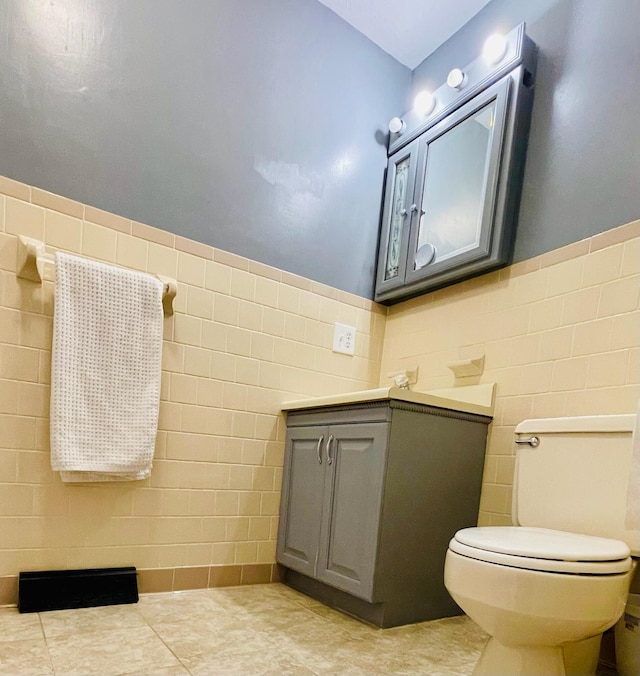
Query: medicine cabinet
x=454, y=176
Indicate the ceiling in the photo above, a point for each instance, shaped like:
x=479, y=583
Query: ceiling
x=409, y=30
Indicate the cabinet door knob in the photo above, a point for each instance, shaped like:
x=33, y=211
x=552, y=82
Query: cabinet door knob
x=403, y=212
x=329, y=458
x=414, y=208
x=318, y=451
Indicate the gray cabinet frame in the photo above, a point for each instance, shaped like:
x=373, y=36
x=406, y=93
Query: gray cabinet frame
x=380, y=537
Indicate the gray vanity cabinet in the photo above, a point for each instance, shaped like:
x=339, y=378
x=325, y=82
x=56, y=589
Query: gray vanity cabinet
x=330, y=512
x=372, y=493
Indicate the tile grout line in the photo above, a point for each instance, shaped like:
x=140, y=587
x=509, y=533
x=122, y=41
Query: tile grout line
x=168, y=647
x=46, y=643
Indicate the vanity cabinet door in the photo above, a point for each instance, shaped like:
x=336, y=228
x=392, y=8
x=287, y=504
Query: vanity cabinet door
x=356, y=458
x=302, y=498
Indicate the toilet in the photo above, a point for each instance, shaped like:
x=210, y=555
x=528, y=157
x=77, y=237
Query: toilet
x=546, y=588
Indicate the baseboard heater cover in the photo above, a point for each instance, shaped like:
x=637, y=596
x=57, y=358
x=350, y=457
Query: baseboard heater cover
x=63, y=589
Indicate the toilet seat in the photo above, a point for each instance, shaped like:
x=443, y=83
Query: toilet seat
x=543, y=549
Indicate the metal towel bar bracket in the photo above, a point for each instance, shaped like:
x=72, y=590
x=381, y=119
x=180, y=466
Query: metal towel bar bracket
x=32, y=259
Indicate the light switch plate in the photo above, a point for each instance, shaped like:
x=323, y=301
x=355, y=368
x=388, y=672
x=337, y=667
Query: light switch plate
x=344, y=338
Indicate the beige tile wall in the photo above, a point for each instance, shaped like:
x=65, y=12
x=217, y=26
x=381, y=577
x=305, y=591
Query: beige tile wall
x=244, y=337
x=560, y=334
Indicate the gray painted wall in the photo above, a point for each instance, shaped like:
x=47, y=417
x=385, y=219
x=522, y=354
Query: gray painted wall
x=257, y=126
x=582, y=174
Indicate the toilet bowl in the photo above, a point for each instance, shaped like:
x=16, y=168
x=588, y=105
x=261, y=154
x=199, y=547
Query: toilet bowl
x=545, y=594
x=537, y=604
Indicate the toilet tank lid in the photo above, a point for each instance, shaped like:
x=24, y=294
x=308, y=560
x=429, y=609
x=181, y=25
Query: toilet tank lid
x=590, y=423
x=543, y=543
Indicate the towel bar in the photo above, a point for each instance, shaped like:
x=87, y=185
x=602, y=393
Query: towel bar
x=32, y=258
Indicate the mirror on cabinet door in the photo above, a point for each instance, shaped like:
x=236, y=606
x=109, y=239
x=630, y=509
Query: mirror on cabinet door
x=455, y=183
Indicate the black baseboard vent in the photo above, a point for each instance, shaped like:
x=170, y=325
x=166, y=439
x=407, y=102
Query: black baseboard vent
x=62, y=589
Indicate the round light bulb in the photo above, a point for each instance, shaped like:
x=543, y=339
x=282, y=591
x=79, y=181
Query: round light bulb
x=396, y=125
x=495, y=48
x=424, y=103
x=455, y=78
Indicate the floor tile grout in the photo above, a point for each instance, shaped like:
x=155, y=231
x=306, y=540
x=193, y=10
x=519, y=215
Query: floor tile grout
x=262, y=629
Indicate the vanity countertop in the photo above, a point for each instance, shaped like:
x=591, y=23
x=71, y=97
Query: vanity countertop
x=470, y=399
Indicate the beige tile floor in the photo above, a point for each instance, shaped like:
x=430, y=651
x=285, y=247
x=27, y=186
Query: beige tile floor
x=259, y=629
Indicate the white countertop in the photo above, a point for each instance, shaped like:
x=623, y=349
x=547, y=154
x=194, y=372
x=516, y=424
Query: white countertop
x=469, y=399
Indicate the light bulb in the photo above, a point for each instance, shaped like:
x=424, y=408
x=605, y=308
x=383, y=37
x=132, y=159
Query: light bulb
x=424, y=103
x=494, y=48
x=455, y=79
x=396, y=125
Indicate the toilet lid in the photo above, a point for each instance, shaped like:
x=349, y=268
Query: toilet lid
x=543, y=549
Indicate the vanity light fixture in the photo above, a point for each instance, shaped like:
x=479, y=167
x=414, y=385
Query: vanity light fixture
x=495, y=48
x=455, y=79
x=424, y=103
x=396, y=125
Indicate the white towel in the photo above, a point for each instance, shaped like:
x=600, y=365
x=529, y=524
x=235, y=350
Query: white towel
x=105, y=371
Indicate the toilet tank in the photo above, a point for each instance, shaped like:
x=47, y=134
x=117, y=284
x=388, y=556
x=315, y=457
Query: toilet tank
x=576, y=478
